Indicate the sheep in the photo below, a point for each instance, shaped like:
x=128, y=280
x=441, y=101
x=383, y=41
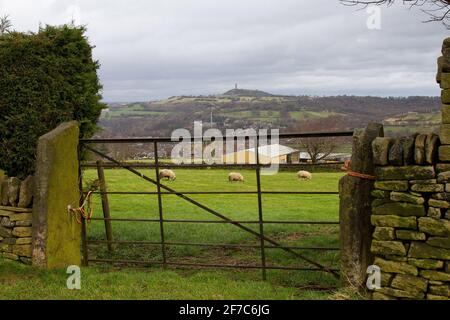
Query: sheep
x=167, y=174
x=304, y=175
x=235, y=177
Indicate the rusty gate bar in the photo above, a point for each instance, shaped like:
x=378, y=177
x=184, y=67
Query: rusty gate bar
x=225, y=245
x=260, y=212
x=216, y=221
x=160, y=205
x=269, y=136
x=215, y=213
x=213, y=192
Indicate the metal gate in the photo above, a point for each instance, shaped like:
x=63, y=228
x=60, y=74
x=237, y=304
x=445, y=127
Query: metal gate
x=265, y=242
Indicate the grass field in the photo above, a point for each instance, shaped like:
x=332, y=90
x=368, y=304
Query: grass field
x=237, y=112
x=153, y=282
x=23, y=282
x=303, y=115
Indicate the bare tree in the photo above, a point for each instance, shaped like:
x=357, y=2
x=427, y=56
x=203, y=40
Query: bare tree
x=438, y=10
x=5, y=24
x=318, y=148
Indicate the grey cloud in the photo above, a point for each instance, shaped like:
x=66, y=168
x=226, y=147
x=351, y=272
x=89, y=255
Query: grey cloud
x=159, y=48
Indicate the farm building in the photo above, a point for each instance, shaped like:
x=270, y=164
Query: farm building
x=274, y=153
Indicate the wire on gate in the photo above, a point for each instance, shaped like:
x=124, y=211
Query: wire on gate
x=85, y=211
x=351, y=173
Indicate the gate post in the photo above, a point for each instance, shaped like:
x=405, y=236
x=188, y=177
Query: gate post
x=56, y=234
x=105, y=204
x=355, y=210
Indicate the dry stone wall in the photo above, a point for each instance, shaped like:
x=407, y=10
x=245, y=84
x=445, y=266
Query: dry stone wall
x=16, y=218
x=411, y=210
x=15, y=233
x=410, y=213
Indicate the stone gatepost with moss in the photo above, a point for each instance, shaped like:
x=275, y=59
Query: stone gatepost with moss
x=35, y=226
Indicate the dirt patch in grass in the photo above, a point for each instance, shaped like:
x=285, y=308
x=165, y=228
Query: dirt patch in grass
x=223, y=256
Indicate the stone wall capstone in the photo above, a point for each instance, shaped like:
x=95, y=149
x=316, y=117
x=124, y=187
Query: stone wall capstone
x=16, y=193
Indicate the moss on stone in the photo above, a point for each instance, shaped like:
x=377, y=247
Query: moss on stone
x=435, y=275
x=388, y=248
x=445, y=80
x=396, y=267
x=400, y=209
x=394, y=221
x=439, y=242
x=405, y=173
x=435, y=227
x=384, y=233
x=406, y=197
x=424, y=251
x=57, y=235
x=392, y=185
x=426, y=263
x=410, y=235
x=409, y=283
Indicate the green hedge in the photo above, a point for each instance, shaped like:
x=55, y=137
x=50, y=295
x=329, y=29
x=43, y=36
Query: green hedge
x=45, y=78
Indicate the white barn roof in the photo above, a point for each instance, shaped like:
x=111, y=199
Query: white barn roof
x=273, y=150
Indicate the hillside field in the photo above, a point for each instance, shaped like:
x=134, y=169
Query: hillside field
x=263, y=110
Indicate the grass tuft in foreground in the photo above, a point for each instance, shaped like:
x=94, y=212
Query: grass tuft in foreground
x=24, y=282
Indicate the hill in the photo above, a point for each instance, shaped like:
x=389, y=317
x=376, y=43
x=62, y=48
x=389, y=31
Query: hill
x=247, y=93
x=400, y=115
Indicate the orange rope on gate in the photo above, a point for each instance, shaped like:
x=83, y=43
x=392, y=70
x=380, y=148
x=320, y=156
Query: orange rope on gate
x=346, y=167
x=86, y=211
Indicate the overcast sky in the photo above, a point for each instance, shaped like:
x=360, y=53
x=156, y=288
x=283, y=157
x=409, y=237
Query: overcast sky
x=152, y=49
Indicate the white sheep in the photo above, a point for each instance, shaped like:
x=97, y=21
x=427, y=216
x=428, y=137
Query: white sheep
x=304, y=175
x=167, y=174
x=234, y=176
